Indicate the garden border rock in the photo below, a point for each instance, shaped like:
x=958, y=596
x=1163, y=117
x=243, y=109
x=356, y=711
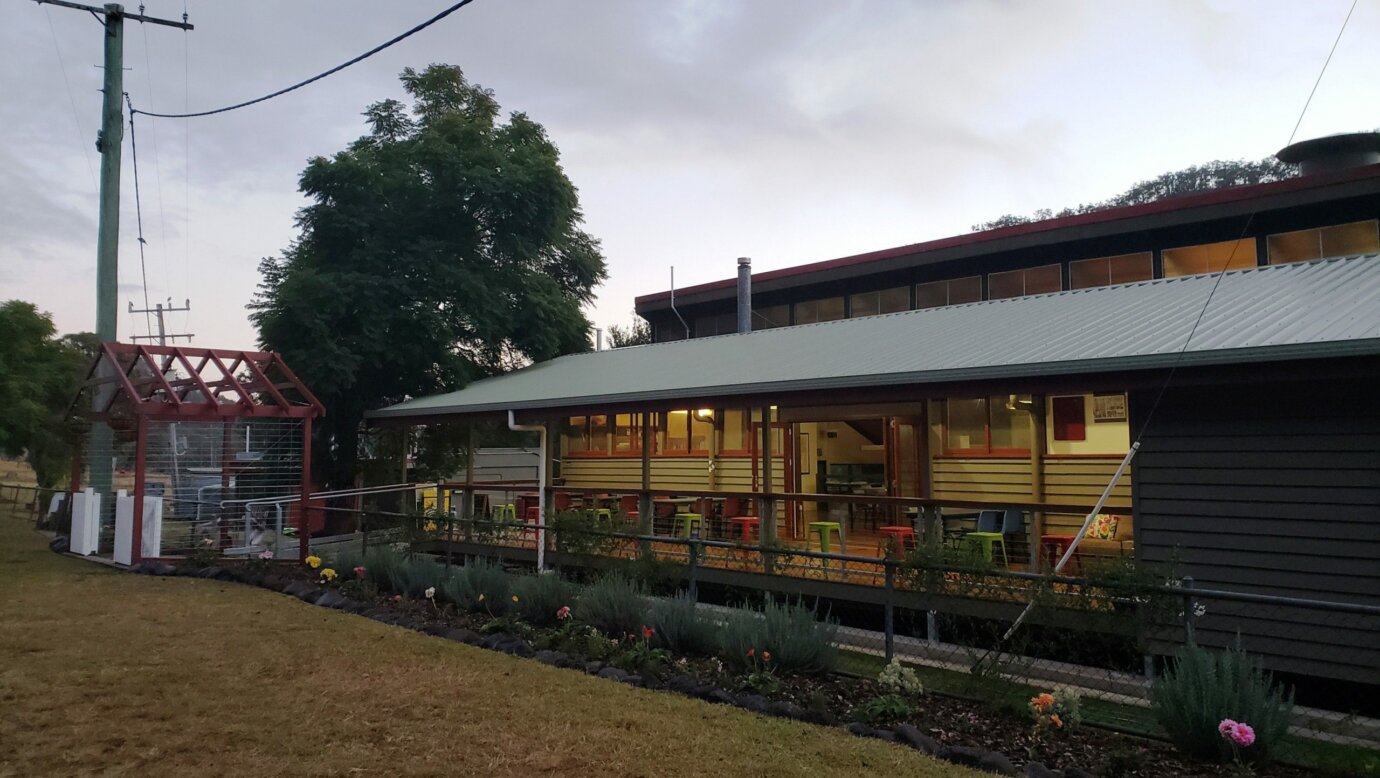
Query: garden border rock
x=903, y=735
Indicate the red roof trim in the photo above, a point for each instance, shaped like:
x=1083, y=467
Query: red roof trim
x=1186, y=202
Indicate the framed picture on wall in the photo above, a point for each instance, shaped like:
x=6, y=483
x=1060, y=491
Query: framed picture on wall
x=1109, y=407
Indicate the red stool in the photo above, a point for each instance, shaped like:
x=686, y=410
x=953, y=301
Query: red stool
x=746, y=526
x=898, y=537
x=533, y=513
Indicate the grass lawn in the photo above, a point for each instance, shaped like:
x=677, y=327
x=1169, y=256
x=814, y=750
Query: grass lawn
x=106, y=672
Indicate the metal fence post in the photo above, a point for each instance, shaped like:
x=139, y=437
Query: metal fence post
x=890, y=567
x=1189, y=605
x=450, y=534
x=694, y=568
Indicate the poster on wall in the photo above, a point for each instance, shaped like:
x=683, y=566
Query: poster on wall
x=1109, y=407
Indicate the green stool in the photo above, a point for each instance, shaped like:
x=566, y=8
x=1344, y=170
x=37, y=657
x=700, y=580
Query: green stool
x=508, y=511
x=685, y=522
x=982, y=542
x=601, y=515
x=823, y=528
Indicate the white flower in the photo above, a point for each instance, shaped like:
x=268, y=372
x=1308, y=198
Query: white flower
x=266, y=554
x=430, y=592
x=1199, y=610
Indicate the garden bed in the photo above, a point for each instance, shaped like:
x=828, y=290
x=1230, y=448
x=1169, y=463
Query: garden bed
x=964, y=731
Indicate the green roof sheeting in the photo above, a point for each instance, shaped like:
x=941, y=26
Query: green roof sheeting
x=1328, y=307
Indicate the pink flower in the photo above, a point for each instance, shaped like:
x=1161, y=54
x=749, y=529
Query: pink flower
x=359, y=571
x=1244, y=735
x=397, y=598
x=1226, y=728
x=563, y=612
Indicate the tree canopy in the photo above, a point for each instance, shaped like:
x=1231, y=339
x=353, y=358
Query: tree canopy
x=638, y=333
x=39, y=377
x=1195, y=178
x=442, y=246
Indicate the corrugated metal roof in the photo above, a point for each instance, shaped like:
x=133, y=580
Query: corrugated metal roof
x=1329, y=307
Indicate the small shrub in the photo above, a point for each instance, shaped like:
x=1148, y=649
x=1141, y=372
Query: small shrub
x=1057, y=711
x=638, y=655
x=479, y=586
x=683, y=628
x=411, y=576
x=614, y=605
x=380, y=563
x=1202, y=688
x=790, y=633
x=896, y=678
x=886, y=709
x=540, y=597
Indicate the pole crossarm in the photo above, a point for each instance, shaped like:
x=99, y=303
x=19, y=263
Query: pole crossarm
x=109, y=9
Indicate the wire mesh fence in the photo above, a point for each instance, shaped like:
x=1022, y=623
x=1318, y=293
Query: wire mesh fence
x=1105, y=635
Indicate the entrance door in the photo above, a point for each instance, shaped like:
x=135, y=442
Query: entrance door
x=905, y=471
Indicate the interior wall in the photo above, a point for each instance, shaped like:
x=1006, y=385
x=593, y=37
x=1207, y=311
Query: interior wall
x=1101, y=437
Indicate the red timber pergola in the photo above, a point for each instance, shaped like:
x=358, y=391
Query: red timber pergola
x=146, y=383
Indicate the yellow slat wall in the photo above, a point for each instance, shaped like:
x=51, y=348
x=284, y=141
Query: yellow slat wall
x=690, y=473
x=987, y=478
x=1080, y=482
x=736, y=473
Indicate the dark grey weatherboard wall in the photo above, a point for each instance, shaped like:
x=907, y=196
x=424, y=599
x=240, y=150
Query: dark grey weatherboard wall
x=1271, y=489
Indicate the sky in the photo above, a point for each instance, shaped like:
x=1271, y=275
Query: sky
x=789, y=131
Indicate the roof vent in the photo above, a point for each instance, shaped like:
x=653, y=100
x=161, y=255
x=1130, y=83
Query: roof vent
x=1334, y=152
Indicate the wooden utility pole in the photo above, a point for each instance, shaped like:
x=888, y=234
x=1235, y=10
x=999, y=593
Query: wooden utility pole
x=108, y=142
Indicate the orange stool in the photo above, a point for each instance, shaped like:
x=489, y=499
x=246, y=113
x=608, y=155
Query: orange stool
x=898, y=537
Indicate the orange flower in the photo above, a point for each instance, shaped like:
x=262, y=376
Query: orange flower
x=752, y=652
x=1042, y=701
x=1054, y=719
x=766, y=656
x=647, y=631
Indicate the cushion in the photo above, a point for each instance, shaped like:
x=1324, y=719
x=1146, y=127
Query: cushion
x=1104, y=527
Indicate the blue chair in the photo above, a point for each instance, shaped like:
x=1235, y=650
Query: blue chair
x=989, y=521
x=1012, y=522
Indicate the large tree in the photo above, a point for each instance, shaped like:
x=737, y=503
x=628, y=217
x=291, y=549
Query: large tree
x=1195, y=178
x=39, y=377
x=442, y=246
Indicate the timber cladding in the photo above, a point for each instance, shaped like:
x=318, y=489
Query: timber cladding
x=1271, y=489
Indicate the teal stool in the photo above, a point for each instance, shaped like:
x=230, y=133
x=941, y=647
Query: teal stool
x=685, y=522
x=983, y=542
x=823, y=528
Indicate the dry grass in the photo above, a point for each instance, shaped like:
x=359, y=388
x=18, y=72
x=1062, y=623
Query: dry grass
x=103, y=672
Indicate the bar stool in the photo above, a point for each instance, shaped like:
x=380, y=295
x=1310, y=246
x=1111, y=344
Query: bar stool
x=686, y=521
x=508, y=512
x=823, y=528
x=533, y=513
x=895, y=537
x=983, y=542
x=746, y=526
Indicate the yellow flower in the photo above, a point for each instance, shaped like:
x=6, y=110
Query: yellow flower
x=481, y=598
x=430, y=526
x=313, y=562
x=328, y=574
x=515, y=599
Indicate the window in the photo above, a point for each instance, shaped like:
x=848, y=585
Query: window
x=1018, y=283
x=737, y=429
x=812, y=311
x=937, y=294
x=717, y=324
x=771, y=317
x=627, y=433
x=687, y=432
x=874, y=303
x=1105, y=271
x=1209, y=258
x=1336, y=241
x=988, y=425
x=662, y=332
x=1070, y=421
x=599, y=434
x=577, y=435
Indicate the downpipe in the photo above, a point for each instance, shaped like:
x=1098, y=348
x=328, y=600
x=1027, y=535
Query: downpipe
x=540, y=429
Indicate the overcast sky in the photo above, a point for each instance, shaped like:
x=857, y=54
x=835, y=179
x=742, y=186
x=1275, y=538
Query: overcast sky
x=696, y=132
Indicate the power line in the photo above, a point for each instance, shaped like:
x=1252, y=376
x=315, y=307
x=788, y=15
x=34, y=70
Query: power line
x=139, y=220
x=62, y=65
x=1312, y=91
x=157, y=166
x=371, y=52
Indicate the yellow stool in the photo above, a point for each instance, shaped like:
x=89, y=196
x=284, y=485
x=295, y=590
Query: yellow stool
x=982, y=542
x=508, y=512
x=686, y=521
x=823, y=528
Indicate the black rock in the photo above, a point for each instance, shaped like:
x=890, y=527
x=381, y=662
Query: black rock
x=963, y=755
x=594, y=668
x=383, y=616
x=332, y=599
x=517, y=647
x=211, y=572
x=613, y=673
x=786, y=710
x=141, y=568
x=435, y=630
x=356, y=607
x=161, y=569
x=250, y=577
x=312, y=594
x=884, y=734
x=1074, y=772
x=466, y=636
x=996, y=762
x=913, y=737
x=683, y=684
x=571, y=663
x=553, y=658
x=275, y=582
x=719, y=697
x=297, y=588
x=753, y=702
x=497, y=639
x=1038, y=770
x=821, y=717
x=860, y=729
x=632, y=680
x=60, y=544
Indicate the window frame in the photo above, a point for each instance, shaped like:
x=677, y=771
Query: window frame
x=986, y=451
x=1024, y=273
